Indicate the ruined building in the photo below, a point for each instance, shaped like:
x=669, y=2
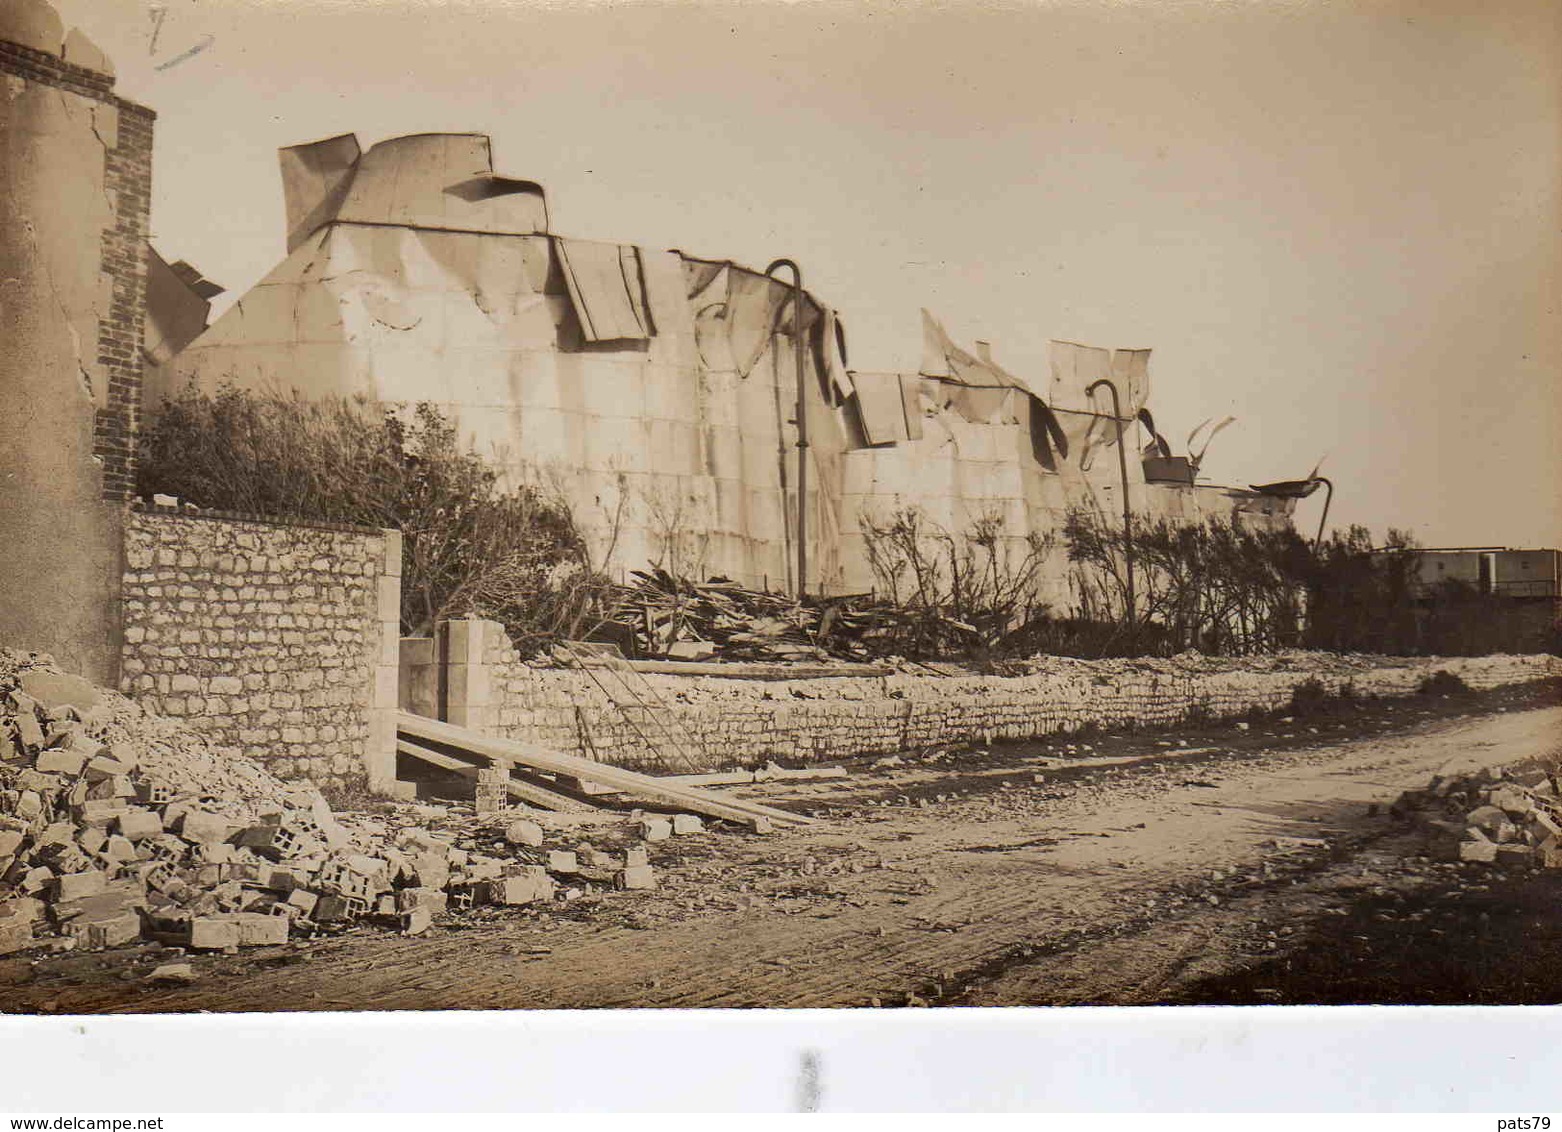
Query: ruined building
x=658, y=389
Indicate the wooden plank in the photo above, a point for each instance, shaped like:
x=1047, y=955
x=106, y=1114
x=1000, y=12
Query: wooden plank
x=523, y=791
x=628, y=781
x=749, y=777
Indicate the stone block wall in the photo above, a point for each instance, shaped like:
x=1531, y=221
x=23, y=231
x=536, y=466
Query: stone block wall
x=279, y=641
x=747, y=722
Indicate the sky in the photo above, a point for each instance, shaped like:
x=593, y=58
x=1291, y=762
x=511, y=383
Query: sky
x=1340, y=222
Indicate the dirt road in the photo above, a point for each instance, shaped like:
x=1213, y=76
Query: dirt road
x=1116, y=871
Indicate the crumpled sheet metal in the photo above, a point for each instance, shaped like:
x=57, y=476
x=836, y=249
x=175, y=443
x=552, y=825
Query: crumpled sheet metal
x=641, y=435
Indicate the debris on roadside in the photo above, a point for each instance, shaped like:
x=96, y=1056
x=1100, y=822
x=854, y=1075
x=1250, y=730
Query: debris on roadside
x=1489, y=817
x=117, y=826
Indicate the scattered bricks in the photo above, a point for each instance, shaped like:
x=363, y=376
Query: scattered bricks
x=214, y=933
x=1484, y=852
x=413, y=899
x=562, y=861
x=260, y=929
x=138, y=825
x=418, y=920
x=655, y=829
x=637, y=878
x=76, y=886
x=686, y=823
x=61, y=760
x=636, y=857
x=524, y=833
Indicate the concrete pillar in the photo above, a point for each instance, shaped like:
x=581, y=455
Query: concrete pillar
x=468, y=683
x=380, y=757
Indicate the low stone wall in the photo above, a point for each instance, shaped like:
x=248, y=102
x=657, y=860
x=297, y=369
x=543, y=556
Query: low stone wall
x=746, y=722
x=279, y=641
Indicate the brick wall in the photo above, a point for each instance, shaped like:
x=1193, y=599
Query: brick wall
x=277, y=640
x=746, y=722
x=126, y=138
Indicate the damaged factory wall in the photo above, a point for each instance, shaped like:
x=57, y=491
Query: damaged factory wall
x=277, y=641
x=75, y=188
x=657, y=391
x=740, y=722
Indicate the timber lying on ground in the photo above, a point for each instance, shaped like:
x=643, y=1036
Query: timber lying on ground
x=508, y=752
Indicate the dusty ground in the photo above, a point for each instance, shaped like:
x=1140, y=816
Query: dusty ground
x=1205, y=865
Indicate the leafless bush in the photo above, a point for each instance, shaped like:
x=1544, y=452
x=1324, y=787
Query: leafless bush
x=964, y=593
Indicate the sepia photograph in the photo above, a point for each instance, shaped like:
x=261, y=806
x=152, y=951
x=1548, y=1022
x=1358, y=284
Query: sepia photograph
x=513, y=506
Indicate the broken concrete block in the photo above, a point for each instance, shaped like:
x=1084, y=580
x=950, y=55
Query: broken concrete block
x=432, y=869
x=562, y=861
x=303, y=900
x=330, y=908
x=214, y=933
x=655, y=829
x=199, y=827
x=14, y=935
x=109, y=930
x=119, y=850
x=1484, y=852
x=10, y=841
x=75, y=886
x=1513, y=799
x=29, y=804
x=56, y=689
x=260, y=929
x=636, y=857
x=101, y=812
x=513, y=890
x=1515, y=854
x=28, y=729
x=417, y=921
x=524, y=833
x=637, y=878
x=413, y=899
x=686, y=823
x=139, y=824
x=173, y=973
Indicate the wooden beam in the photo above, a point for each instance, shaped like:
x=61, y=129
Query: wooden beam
x=628, y=781
x=527, y=792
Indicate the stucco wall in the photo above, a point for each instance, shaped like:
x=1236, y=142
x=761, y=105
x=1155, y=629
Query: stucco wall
x=75, y=185
x=277, y=641
x=746, y=722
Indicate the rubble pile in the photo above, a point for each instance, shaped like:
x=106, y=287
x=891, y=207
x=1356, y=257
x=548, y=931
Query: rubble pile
x=1490, y=817
x=117, y=826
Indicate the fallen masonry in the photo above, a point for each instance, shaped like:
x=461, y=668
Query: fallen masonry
x=1491, y=817
x=117, y=826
